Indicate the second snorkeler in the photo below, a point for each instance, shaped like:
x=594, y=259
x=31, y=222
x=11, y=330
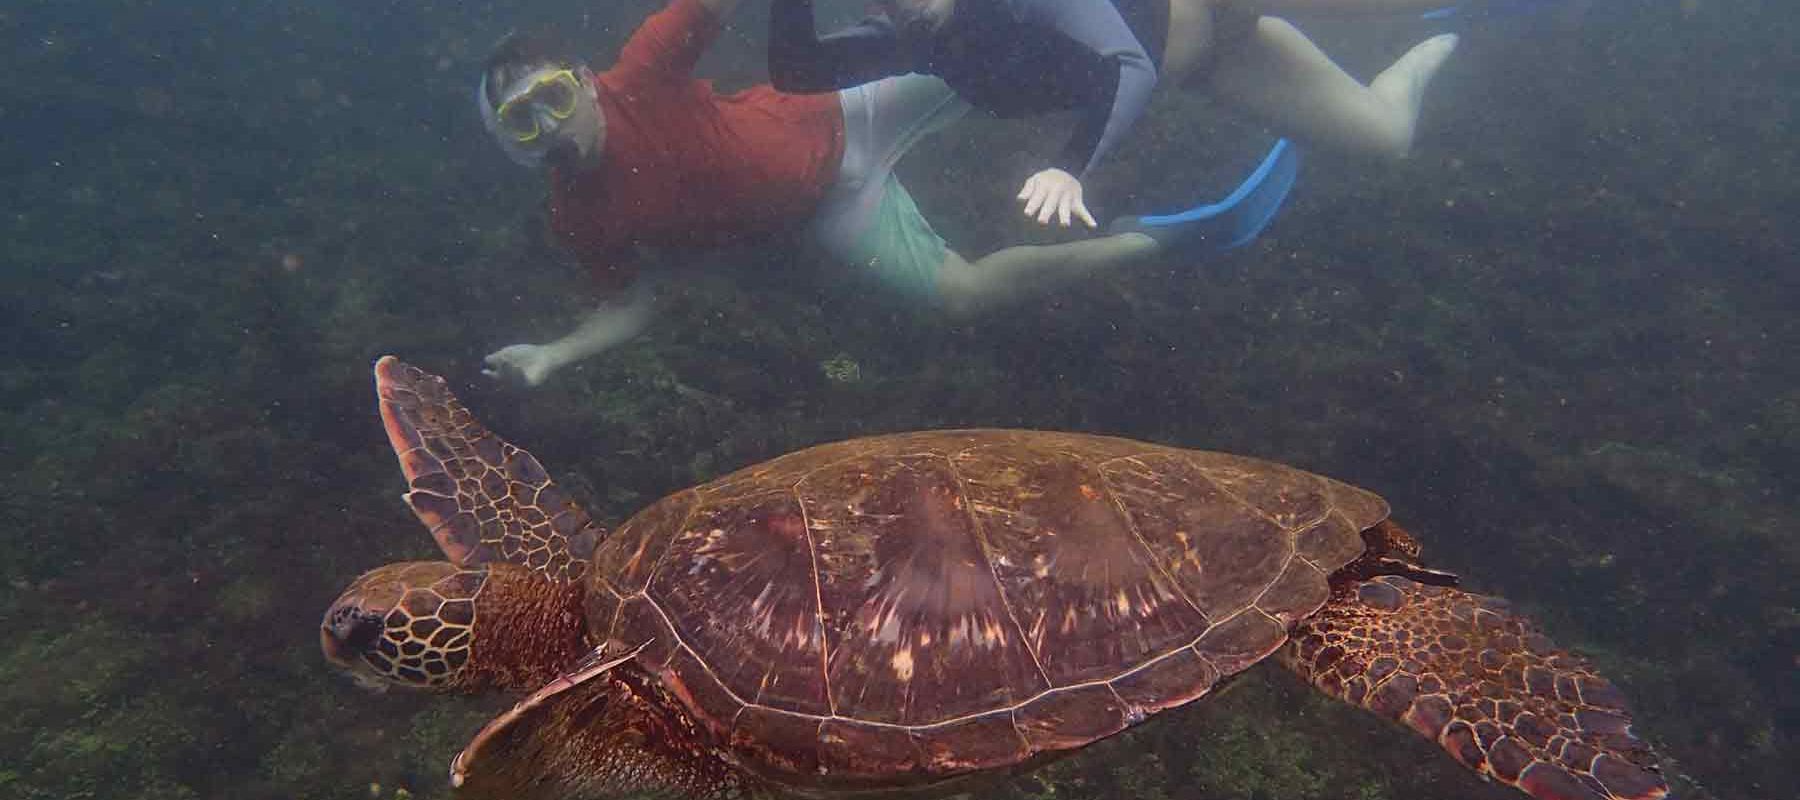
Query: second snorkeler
x=1104, y=58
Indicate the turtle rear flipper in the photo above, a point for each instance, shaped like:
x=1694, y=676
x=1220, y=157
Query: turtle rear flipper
x=1467, y=673
x=482, y=498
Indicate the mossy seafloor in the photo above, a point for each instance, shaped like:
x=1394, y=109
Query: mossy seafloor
x=1557, y=339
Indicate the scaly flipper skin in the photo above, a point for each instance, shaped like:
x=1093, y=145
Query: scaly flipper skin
x=594, y=731
x=482, y=498
x=1467, y=673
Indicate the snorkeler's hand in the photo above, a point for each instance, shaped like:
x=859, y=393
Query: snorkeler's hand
x=530, y=364
x=1054, y=192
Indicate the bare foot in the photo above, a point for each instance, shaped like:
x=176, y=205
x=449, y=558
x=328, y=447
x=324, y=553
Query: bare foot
x=1403, y=84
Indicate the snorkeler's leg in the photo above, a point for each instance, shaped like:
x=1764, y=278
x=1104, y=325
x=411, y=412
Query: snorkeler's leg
x=868, y=221
x=1333, y=8
x=880, y=232
x=888, y=117
x=1196, y=28
x=966, y=288
x=1281, y=76
x=1190, y=40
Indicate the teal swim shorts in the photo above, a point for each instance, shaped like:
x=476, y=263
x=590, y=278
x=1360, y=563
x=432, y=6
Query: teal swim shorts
x=899, y=246
x=867, y=220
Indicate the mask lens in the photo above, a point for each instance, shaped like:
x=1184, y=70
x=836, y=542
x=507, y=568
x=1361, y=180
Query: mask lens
x=557, y=95
x=516, y=118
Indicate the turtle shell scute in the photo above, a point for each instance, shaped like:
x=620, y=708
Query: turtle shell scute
x=913, y=607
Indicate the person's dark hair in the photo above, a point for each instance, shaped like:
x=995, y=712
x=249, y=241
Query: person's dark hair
x=521, y=53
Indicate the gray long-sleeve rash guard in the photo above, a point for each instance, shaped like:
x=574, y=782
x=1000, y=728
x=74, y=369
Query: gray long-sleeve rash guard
x=1008, y=57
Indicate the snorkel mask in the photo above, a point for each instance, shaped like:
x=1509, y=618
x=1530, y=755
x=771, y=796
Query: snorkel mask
x=526, y=121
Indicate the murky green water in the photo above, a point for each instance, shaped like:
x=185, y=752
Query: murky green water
x=1557, y=338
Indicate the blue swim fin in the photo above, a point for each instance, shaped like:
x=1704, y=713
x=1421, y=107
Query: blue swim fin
x=1232, y=222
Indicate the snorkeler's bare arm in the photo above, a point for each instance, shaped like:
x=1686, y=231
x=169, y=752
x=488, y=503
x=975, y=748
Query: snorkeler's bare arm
x=613, y=323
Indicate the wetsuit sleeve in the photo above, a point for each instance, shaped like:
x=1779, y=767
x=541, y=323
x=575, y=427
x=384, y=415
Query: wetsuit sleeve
x=670, y=42
x=1097, y=25
x=801, y=62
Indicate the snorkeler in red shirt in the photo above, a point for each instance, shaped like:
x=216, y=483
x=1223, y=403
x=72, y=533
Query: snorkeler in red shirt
x=644, y=155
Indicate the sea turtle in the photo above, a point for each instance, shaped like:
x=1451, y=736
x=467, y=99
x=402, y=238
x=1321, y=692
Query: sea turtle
x=894, y=615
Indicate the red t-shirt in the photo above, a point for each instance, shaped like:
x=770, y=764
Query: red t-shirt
x=684, y=167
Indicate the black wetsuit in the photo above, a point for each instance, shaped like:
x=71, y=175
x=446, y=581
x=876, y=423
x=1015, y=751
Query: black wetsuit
x=1009, y=57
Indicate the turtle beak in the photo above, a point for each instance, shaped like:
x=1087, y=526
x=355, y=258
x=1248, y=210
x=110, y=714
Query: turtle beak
x=365, y=630
x=336, y=652
x=343, y=637
x=333, y=648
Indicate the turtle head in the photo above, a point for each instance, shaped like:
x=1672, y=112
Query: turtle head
x=1391, y=551
x=411, y=624
x=435, y=625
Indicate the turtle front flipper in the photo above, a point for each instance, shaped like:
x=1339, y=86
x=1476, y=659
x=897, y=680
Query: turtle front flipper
x=601, y=731
x=1467, y=673
x=482, y=498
